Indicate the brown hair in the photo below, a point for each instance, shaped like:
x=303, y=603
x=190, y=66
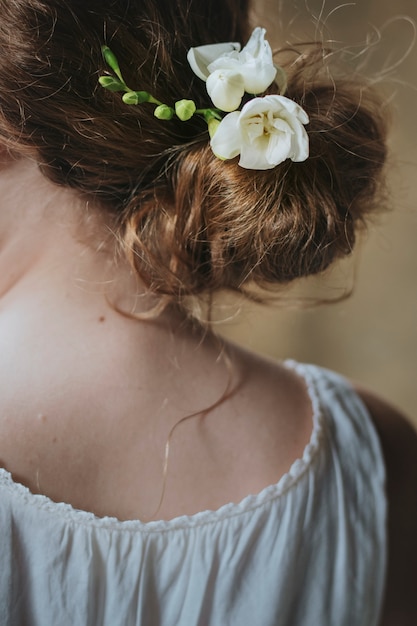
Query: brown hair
x=189, y=222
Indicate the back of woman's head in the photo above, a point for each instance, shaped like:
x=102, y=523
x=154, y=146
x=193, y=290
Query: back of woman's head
x=189, y=222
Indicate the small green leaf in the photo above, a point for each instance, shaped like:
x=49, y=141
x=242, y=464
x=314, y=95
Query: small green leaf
x=110, y=83
x=185, y=109
x=164, y=112
x=135, y=97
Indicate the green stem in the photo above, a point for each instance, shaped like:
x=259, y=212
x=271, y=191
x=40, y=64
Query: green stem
x=154, y=100
x=210, y=113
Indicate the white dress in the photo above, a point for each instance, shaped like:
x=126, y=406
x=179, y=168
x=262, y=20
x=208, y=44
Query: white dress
x=307, y=551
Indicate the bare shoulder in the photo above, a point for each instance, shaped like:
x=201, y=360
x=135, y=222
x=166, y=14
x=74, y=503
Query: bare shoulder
x=399, y=445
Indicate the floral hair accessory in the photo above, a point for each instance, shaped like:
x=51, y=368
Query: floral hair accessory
x=229, y=72
x=264, y=132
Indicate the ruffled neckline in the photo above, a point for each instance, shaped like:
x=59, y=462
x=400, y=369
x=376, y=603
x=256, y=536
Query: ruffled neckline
x=250, y=502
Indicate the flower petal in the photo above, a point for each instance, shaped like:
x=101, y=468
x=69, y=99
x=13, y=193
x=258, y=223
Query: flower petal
x=258, y=76
x=257, y=64
x=279, y=148
x=226, y=89
x=200, y=57
x=300, y=148
x=252, y=159
x=226, y=141
x=286, y=104
x=256, y=43
x=226, y=62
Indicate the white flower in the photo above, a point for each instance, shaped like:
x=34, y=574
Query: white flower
x=200, y=58
x=266, y=132
x=219, y=65
x=254, y=62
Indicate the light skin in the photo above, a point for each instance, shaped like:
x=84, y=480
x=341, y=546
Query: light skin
x=88, y=396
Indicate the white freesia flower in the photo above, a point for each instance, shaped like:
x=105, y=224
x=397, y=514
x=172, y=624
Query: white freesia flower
x=254, y=62
x=266, y=132
x=200, y=58
x=219, y=66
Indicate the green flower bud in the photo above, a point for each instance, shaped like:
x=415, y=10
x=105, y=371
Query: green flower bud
x=111, y=61
x=111, y=83
x=164, y=112
x=135, y=97
x=185, y=109
x=212, y=124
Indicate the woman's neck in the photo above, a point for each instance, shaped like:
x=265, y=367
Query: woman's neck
x=61, y=291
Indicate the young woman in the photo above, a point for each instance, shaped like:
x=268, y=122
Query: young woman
x=152, y=474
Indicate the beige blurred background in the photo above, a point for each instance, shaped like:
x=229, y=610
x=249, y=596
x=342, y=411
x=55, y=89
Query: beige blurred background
x=372, y=336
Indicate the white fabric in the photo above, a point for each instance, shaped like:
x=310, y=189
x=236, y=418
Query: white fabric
x=308, y=551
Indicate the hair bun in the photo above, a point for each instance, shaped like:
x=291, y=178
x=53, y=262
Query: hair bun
x=218, y=226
